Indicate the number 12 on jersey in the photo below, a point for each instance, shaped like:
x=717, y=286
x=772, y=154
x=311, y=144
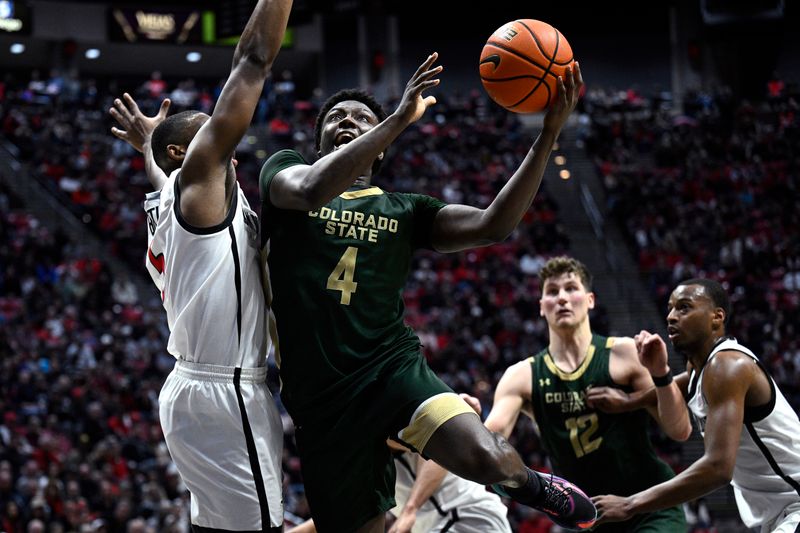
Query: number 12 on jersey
x=581, y=430
x=341, y=279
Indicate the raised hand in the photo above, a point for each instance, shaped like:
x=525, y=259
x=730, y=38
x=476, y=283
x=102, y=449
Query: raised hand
x=652, y=352
x=569, y=91
x=413, y=105
x=136, y=127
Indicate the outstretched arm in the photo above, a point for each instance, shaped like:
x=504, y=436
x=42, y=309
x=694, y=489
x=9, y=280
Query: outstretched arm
x=205, y=193
x=512, y=396
x=305, y=187
x=725, y=385
x=458, y=227
x=137, y=130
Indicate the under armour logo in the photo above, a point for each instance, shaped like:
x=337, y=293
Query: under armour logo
x=544, y=381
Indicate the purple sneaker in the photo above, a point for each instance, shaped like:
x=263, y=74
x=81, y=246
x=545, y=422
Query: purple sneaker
x=564, y=503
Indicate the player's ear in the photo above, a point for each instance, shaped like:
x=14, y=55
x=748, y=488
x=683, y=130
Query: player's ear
x=590, y=300
x=176, y=152
x=718, y=318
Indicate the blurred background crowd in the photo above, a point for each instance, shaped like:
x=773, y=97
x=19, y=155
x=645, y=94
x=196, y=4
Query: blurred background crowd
x=705, y=184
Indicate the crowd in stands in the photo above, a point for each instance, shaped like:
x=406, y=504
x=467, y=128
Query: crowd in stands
x=712, y=191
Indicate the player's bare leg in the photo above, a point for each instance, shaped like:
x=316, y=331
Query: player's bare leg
x=465, y=447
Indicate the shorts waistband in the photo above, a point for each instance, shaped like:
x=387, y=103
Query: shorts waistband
x=220, y=374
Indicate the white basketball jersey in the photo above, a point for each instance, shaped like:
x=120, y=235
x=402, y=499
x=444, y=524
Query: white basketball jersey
x=453, y=496
x=210, y=280
x=766, y=477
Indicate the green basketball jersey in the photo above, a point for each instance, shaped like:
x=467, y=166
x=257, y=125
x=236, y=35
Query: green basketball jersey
x=337, y=276
x=601, y=453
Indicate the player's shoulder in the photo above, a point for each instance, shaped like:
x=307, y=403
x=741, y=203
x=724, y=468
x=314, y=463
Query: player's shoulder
x=621, y=346
x=729, y=363
x=521, y=370
x=277, y=162
x=281, y=158
x=517, y=380
x=729, y=374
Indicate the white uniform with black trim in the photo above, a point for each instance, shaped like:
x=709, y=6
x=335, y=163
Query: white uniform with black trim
x=766, y=477
x=457, y=506
x=219, y=419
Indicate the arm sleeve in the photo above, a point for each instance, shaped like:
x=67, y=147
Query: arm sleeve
x=425, y=210
x=277, y=162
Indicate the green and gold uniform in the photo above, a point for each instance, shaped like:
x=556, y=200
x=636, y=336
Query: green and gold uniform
x=352, y=372
x=601, y=453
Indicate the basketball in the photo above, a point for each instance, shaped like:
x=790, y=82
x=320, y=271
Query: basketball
x=521, y=62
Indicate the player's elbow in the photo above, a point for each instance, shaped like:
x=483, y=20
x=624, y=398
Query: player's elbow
x=258, y=60
x=493, y=233
x=682, y=433
x=311, y=195
x=494, y=227
x=719, y=471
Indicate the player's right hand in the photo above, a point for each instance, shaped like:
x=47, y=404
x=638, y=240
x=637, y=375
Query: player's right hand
x=652, y=352
x=413, y=105
x=473, y=402
x=608, y=399
x=404, y=523
x=136, y=127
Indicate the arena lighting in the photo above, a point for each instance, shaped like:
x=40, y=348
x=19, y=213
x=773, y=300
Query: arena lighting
x=92, y=53
x=17, y=48
x=564, y=174
x=560, y=160
x=194, y=57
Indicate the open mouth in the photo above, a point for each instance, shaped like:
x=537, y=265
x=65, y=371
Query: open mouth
x=672, y=332
x=343, y=138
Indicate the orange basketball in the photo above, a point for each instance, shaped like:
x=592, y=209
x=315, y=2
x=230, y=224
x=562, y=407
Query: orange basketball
x=521, y=62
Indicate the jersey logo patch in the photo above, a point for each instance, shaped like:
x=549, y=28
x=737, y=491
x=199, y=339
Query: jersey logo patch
x=156, y=260
x=544, y=381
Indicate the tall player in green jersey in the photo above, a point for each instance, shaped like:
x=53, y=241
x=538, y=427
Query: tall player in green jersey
x=352, y=373
x=565, y=388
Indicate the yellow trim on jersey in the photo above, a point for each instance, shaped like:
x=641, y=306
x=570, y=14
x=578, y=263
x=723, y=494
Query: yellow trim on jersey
x=352, y=195
x=430, y=415
x=575, y=374
x=610, y=342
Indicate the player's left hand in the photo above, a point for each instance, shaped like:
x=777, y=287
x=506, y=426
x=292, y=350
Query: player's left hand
x=569, y=91
x=136, y=127
x=611, y=508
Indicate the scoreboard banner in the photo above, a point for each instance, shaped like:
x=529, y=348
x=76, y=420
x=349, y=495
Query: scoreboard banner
x=176, y=26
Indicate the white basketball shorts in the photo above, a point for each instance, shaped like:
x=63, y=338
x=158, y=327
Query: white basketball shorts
x=225, y=436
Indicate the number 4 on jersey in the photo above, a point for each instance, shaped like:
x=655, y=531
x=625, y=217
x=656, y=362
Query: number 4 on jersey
x=341, y=279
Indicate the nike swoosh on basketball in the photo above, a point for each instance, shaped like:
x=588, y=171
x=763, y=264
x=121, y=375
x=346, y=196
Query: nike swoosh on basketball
x=493, y=59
